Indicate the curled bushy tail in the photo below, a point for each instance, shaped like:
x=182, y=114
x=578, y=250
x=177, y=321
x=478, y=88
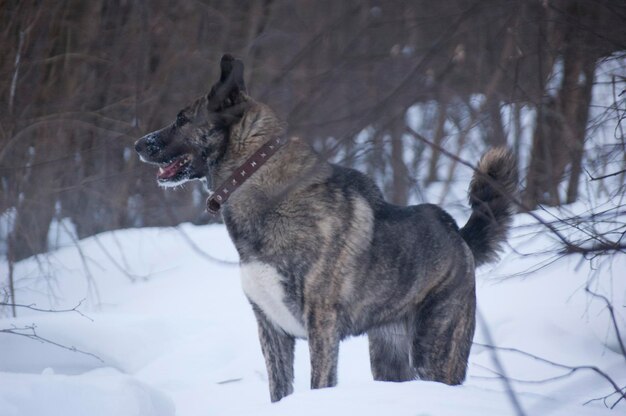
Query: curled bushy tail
x=491, y=193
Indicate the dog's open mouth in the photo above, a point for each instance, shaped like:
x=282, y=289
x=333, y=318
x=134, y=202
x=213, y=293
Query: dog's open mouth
x=173, y=168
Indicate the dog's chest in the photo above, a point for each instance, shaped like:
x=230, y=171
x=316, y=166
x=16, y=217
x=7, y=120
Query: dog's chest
x=262, y=284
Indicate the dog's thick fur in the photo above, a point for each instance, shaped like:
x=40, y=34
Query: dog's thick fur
x=323, y=256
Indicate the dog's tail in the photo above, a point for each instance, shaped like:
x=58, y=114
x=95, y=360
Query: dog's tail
x=491, y=192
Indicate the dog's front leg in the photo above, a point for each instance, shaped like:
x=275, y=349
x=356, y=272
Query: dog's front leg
x=278, y=351
x=323, y=346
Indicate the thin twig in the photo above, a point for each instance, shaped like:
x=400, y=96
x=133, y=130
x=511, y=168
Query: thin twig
x=524, y=381
x=609, y=306
x=597, y=178
x=29, y=331
x=503, y=377
x=33, y=307
x=605, y=398
x=91, y=281
x=201, y=252
x=124, y=270
x=616, y=388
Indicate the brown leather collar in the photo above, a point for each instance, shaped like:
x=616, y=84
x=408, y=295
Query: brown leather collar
x=241, y=174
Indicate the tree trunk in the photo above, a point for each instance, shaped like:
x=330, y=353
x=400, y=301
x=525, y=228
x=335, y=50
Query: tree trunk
x=547, y=158
x=576, y=115
x=559, y=138
x=400, y=185
x=440, y=132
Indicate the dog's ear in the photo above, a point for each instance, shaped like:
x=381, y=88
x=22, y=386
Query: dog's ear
x=232, y=69
x=227, y=96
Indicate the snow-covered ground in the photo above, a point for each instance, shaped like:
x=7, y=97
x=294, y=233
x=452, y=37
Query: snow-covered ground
x=173, y=334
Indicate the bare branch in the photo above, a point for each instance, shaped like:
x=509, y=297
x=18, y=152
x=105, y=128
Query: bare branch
x=609, y=306
x=201, y=252
x=503, y=377
x=525, y=381
x=592, y=178
x=602, y=247
x=29, y=331
x=606, y=397
x=597, y=248
x=616, y=388
x=33, y=307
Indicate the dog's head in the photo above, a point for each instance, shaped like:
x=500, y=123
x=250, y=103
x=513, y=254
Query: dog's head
x=198, y=137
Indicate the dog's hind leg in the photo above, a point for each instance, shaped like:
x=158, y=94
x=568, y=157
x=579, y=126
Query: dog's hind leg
x=278, y=351
x=390, y=352
x=442, y=334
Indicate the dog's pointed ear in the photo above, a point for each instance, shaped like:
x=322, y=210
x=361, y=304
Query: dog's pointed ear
x=228, y=94
x=232, y=69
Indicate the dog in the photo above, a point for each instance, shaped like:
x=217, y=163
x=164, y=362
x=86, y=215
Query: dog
x=322, y=255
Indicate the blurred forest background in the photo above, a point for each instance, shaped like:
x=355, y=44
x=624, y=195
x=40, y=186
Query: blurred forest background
x=365, y=81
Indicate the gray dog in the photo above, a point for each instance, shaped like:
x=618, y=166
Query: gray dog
x=323, y=256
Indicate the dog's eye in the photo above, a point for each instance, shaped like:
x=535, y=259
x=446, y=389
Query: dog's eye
x=181, y=119
x=207, y=136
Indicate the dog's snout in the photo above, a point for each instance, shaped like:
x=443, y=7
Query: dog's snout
x=140, y=145
x=147, y=145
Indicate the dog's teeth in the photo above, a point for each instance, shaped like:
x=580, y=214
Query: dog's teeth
x=161, y=170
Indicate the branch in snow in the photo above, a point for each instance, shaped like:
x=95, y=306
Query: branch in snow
x=506, y=381
x=520, y=380
x=605, y=398
x=192, y=244
x=613, y=320
x=616, y=388
x=29, y=331
x=33, y=307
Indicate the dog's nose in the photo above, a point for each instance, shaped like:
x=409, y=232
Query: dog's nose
x=140, y=145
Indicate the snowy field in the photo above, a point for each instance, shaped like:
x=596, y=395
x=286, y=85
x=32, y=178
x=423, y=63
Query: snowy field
x=170, y=332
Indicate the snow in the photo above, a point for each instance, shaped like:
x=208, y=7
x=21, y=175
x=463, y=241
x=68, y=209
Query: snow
x=104, y=391
x=173, y=334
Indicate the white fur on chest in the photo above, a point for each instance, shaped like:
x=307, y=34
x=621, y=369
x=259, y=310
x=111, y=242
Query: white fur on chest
x=262, y=284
